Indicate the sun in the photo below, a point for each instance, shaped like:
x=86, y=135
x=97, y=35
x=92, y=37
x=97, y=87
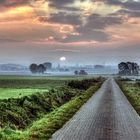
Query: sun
x=62, y=58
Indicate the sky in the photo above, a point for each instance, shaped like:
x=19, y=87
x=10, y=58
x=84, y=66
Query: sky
x=83, y=31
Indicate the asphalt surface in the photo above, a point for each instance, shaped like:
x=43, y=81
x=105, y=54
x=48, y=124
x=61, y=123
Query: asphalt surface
x=106, y=116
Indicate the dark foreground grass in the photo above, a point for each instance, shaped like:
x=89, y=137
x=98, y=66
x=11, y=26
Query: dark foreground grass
x=45, y=127
x=132, y=92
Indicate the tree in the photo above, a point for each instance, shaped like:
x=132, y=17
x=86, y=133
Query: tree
x=76, y=72
x=128, y=68
x=83, y=72
x=41, y=68
x=48, y=65
x=33, y=68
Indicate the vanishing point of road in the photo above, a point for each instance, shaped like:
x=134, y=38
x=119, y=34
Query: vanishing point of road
x=106, y=116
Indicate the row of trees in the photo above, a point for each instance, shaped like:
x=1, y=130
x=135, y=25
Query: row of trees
x=128, y=68
x=41, y=68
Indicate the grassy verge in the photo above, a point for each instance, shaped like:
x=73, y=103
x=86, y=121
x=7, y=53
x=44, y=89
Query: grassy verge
x=132, y=92
x=45, y=127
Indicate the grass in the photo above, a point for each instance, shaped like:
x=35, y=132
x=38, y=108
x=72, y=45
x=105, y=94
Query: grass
x=20, y=112
x=6, y=93
x=68, y=77
x=37, y=82
x=19, y=86
x=132, y=92
x=31, y=83
x=35, y=107
x=45, y=127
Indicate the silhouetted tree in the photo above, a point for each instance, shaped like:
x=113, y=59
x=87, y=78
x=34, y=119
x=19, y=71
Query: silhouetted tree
x=48, y=65
x=33, y=68
x=128, y=68
x=83, y=72
x=41, y=68
x=76, y=72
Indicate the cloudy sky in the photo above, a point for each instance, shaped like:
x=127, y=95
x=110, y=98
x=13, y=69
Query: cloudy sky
x=84, y=31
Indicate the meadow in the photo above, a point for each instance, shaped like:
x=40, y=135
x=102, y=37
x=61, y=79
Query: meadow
x=33, y=107
x=19, y=86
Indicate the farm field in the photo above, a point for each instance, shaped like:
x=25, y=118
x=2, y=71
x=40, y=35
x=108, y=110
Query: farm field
x=26, y=100
x=16, y=87
x=19, y=86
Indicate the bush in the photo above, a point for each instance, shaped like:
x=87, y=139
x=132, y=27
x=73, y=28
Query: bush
x=84, y=84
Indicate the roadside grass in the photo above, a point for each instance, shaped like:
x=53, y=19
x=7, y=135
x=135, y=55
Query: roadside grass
x=45, y=127
x=132, y=92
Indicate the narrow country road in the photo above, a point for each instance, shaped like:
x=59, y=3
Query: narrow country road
x=106, y=116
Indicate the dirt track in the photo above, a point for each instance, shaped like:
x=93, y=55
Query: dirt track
x=106, y=116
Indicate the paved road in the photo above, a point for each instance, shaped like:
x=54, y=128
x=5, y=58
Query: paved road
x=106, y=116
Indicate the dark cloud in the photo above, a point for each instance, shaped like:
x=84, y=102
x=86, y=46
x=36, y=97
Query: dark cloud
x=64, y=18
x=9, y=3
x=94, y=29
x=96, y=21
x=130, y=13
x=86, y=34
x=60, y=3
x=130, y=4
x=2, y=2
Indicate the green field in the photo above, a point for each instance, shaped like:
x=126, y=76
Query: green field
x=27, y=101
x=37, y=81
x=17, y=87
x=6, y=93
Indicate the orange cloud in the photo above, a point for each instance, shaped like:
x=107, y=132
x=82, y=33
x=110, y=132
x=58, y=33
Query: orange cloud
x=17, y=13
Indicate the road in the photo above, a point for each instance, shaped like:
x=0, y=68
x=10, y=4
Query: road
x=106, y=116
